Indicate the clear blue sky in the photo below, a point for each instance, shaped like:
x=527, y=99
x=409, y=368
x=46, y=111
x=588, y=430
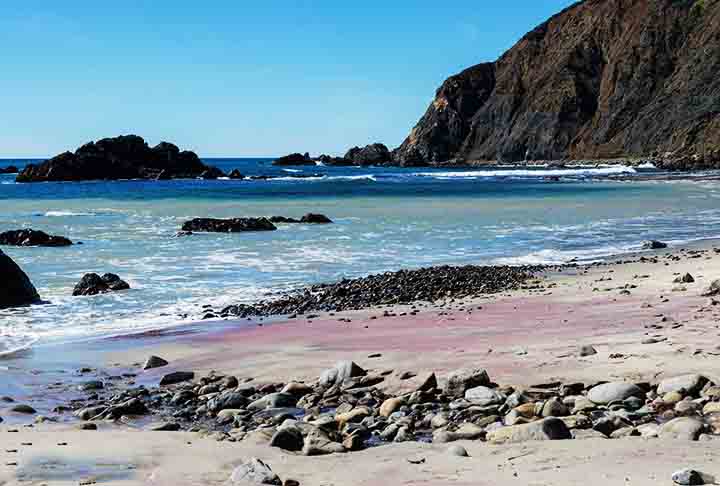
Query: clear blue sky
x=238, y=77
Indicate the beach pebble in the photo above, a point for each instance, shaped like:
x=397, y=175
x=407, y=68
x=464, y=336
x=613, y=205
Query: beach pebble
x=176, y=377
x=154, y=362
x=23, y=408
x=460, y=381
x=546, y=429
x=484, y=396
x=612, y=392
x=457, y=450
x=587, y=350
x=687, y=477
x=254, y=471
x=165, y=427
x=690, y=384
x=342, y=371
x=682, y=428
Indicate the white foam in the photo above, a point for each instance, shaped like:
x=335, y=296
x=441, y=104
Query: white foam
x=60, y=214
x=292, y=170
x=366, y=177
x=578, y=172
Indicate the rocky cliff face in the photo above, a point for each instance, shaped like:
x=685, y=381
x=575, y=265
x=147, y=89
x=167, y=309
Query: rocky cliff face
x=602, y=79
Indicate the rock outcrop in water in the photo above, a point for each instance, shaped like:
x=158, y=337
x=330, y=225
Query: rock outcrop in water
x=295, y=159
x=602, y=79
x=234, y=225
x=17, y=289
x=93, y=284
x=124, y=157
x=374, y=154
x=10, y=169
x=30, y=237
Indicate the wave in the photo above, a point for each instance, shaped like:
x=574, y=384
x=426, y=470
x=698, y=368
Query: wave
x=577, y=172
x=365, y=177
x=292, y=170
x=62, y=214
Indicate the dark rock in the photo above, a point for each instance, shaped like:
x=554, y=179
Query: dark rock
x=165, y=427
x=687, y=477
x=335, y=161
x=176, y=377
x=463, y=380
x=567, y=91
x=92, y=385
x=10, y=169
x=287, y=438
x=23, y=408
x=124, y=157
x=235, y=225
x=94, y=284
x=154, y=362
x=295, y=159
x=229, y=399
x=587, y=350
x=315, y=219
x=133, y=406
x=17, y=288
x=654, y=245
x=235, y=174
x=30, y=237
x=212, y=173
x=375, y=154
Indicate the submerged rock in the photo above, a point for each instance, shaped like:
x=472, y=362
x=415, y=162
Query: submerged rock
x=17, y=288
x=30, y=237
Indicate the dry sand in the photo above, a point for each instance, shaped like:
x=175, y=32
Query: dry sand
x=523, y=338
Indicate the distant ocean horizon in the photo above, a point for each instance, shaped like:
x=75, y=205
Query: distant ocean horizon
x=385, y=218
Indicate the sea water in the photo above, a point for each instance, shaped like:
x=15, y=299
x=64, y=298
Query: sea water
x=384, y=219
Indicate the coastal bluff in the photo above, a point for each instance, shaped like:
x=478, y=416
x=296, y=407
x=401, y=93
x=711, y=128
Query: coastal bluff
x=600, y=80
x=123, y=157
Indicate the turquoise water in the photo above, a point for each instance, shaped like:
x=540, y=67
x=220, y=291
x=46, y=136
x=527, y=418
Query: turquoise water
x=385, y=219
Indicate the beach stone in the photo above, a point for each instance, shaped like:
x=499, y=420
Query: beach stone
x=686, y=278
x=89, y=413
x=165, y=427
x=686, y=407
x=154, y=362
x=288, y=438
x=649, y=430
x=429, y=383
x=23, y=408
x=176, y=377
x=612, y=392
x=133, y=406
x=672, y=397
x=682, y=428
x=342, y=371
x=254, y=472
x=274, y=400
x=297, y=389
x=391, y=405
x=17, y=288
x=690, y=384
x=404, y=434
x=318, y=443
x=580, y=434
x=582, y=404
x=355, y=415
x=546, y=429
x=713, y=289
x=625, y=432
x=587, y=350
x=462, y=380
x=711, y=407
x=577, y=422
x=88, y=426
x=466, y=431
x=484, y=396
x=654, y=245
x=92, y=385
x=440, y=420
x=554, y=408
x=457, y=450
x=687, y=477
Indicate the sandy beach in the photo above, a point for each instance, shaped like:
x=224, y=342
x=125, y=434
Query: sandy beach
x=644, y=326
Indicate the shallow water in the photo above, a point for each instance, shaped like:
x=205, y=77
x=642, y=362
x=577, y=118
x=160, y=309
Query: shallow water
x=385, y=219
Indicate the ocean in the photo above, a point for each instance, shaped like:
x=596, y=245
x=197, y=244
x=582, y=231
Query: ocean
x=385, y=219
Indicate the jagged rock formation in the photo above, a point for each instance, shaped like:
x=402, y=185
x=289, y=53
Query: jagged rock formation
x=124, y=157
x=17, y=290
x=602, y=79
x=30, y=237
x=374, y=154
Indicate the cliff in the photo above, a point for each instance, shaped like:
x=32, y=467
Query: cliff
x=602, y=79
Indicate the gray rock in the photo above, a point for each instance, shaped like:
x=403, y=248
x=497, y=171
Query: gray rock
x=342, y=371
x=546, y=429
x=165, y=427
x=274, y=400
x=460, y=381
x=466, y=431
x=682, y=428
x=154, y=362
x=23, y=408
x=92, y=385
x=254, y=472
x=318, y=443
x=287, y=438
x=587, y=350
x=176, y=377
x=457, y=450
x=554, y=408
x=713, y=289
x=88, y=413
x=687, y=477
x=227, y=400
x=612, y=392
x=484, y=396
x=692, y=384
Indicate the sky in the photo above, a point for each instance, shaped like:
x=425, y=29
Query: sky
x=238, y=77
